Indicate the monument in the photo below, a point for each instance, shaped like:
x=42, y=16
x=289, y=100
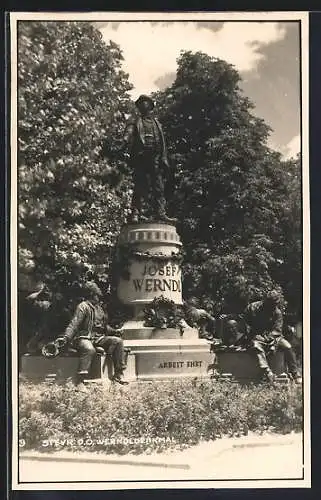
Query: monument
x=152, y=286
x=148, y=257
x=147, y=278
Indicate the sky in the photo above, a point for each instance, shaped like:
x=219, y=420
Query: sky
x=266, y=54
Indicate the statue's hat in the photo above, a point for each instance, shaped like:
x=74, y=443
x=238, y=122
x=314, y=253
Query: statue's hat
x=142, y=98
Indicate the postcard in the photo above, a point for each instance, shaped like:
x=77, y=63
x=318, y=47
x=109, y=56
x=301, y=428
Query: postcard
x=159, y=247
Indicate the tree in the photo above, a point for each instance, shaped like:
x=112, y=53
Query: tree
x=231, y=190
x=288, y=246
x=72, y=102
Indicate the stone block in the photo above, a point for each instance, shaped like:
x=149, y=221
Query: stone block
x=63, y=367
x=243, y=365
x=39, y=368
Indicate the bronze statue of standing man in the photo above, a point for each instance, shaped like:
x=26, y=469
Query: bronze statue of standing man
x=149, y=162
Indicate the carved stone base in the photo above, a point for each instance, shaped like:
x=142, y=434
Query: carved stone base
x=156, y=358
x=161, y=358
x=148, y=359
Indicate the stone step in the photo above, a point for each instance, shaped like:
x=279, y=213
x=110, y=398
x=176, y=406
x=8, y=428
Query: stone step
x=177, y=343
x=135, y=330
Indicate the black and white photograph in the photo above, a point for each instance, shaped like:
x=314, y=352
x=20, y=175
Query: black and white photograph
x=159, y=250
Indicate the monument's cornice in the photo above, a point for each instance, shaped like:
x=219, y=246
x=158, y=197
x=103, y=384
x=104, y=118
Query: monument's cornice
x=150, y=233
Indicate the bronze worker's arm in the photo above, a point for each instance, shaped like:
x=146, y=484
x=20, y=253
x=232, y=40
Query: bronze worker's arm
x=110, y=331
x=107, y=328
x=75, y=323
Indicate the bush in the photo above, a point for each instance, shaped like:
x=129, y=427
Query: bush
x=157, y=416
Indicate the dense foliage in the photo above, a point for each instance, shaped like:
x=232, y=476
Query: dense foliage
x=166, y=415
x=73, y=101
x=237, y=202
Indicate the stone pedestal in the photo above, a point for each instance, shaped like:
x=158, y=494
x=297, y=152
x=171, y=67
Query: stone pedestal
x=155, y=270
x=152, y=270
x=170, y=358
